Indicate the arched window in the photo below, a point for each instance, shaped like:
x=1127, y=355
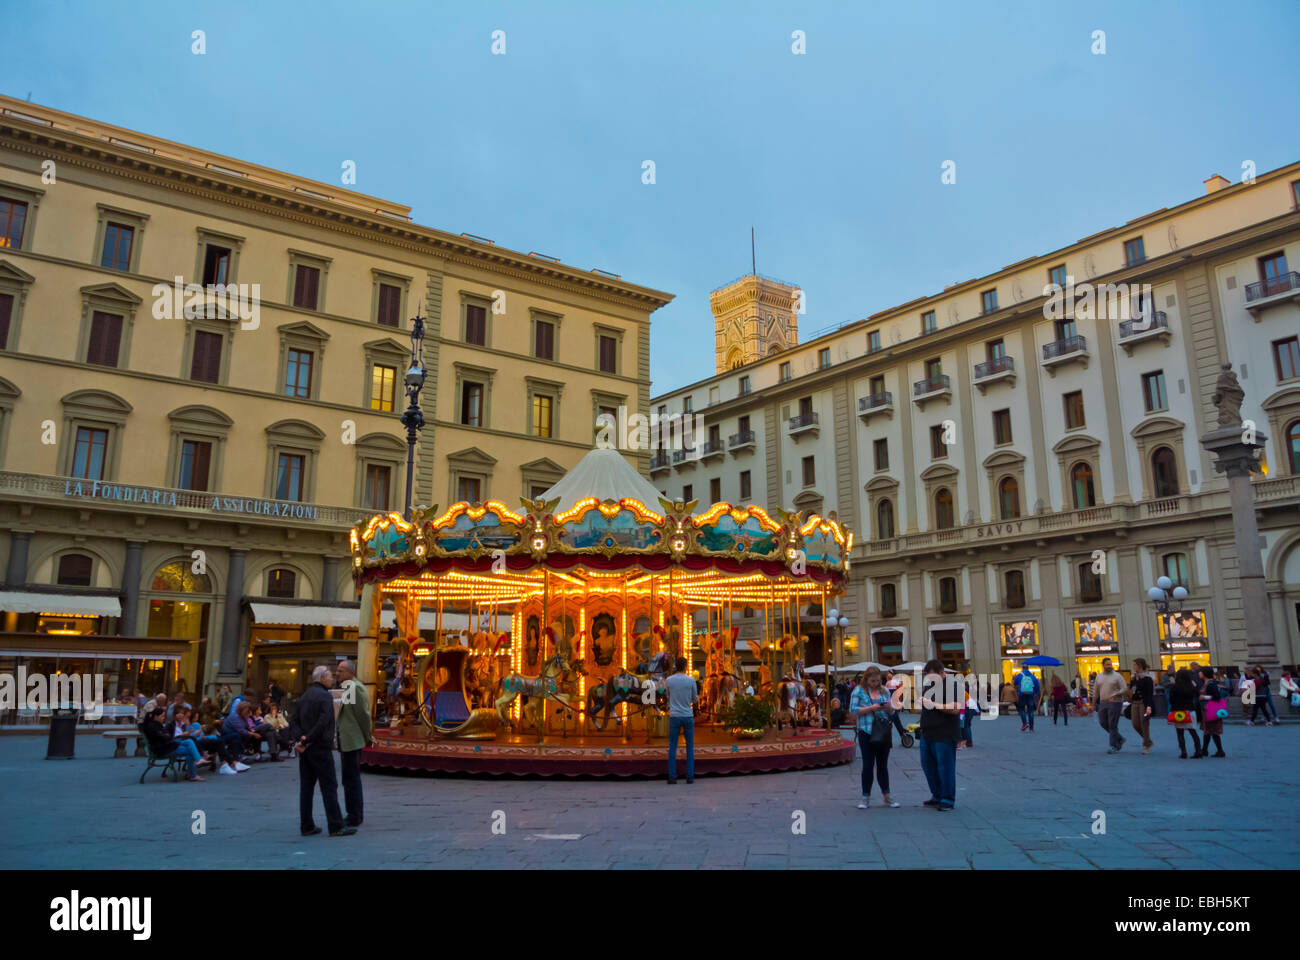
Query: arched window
x=1015, y=588
x=1081, y=481
x=281, y=583
x=1164, y=472
x=888, y=600
x=1175, y=567
x=75, y=570
x=1293, y=447
x=884, y=520
x=1009, y=498
x=1090, y=590
x=943, y=509
x=179, y=577
x=948, y=595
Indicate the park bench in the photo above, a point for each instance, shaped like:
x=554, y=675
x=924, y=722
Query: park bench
x=122, y=736
x=172, y=763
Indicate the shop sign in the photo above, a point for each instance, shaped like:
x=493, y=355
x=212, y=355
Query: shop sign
x=1095, y=636
x=1020, y=638
x=154, y=497
x=1183, y=632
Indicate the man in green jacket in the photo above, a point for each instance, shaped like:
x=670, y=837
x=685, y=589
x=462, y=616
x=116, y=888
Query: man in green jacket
x=354, y=733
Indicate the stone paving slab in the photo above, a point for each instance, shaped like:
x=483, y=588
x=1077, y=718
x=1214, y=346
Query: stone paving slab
x=1024, y=801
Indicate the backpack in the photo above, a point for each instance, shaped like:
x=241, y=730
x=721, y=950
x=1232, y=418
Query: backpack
x=1026, y=683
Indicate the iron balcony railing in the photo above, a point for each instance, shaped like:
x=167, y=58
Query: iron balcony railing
x=1158, y=320
x=1273, y=285
x=659, y=460
x=803, y=420
x=682, y=455
x=882, y=399
x=931, y=385
x=741, y=439
x=997, y=365
x=1059, y=348
x=712, y=446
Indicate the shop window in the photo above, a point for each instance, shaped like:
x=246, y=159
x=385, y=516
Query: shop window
x=1009, y=498
x=948, y=595
x=1164, y=472
x=282, y=583
x=1081, y=483
x=1014, y=589
x=75, y=570
x=1089, y=583
x=888, y=600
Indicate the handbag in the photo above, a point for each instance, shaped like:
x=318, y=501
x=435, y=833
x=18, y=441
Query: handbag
x=882, y=729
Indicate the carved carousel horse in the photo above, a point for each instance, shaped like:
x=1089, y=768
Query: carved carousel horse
x=649, y=681
x=721, y=679
x=795, y=698
x=556, y=683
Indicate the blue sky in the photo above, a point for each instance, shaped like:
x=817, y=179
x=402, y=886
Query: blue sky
x=833, y=156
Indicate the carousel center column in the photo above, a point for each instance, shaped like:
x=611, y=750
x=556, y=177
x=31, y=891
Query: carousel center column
x=368, y=640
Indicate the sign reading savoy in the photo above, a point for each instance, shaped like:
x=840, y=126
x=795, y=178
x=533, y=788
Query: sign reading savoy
x=150, y=496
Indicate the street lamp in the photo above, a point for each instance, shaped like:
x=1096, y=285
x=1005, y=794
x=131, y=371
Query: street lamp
x=412, y=417
x=839, y=624
x=1163, y=592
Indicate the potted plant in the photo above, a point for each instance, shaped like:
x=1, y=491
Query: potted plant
x=747, y=717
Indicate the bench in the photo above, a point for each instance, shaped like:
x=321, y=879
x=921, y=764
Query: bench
x=122, y=736
x=172, y=763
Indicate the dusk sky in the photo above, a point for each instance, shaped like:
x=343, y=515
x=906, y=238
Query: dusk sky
x=833, y=156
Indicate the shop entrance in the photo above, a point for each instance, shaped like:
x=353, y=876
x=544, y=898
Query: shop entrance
x=1087, y=666
x=950, y=649
x=889, y=647
x=1179, y=661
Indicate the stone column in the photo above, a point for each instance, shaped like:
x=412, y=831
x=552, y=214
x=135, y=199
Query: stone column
x=329, y=591
x=19, y=543
x=128, y=623
x=230, y=662
x=368, y=640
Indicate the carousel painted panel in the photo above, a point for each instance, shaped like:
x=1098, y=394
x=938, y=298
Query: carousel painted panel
x=476, y=529
x=738, y=530
x=610, y=527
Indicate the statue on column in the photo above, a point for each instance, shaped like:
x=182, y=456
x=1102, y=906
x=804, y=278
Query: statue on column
x=1228, y=396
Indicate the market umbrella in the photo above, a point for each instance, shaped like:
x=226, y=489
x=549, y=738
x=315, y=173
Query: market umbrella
x=1044, y=662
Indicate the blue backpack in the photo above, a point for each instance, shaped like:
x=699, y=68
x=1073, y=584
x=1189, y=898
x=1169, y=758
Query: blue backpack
x=1026, y=683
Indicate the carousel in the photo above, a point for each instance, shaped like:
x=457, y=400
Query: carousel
x=579, y=605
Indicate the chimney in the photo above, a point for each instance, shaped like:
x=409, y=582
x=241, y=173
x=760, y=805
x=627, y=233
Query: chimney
x=1216, y=183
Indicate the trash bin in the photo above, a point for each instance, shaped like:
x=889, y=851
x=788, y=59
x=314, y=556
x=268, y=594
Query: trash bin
x=63, y=735
x=1160, y=708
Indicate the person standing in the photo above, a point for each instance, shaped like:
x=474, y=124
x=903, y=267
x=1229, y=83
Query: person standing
x=1213, y=699
x=1246, y=690
x=1027, y=690
x=354, y=733
x=940, y=730
x=1060, y=700
x=869, y=704
x=683, y=694
x=1263, y=698
x=969, y=714
x=315, y=749
x=1108, y=701
x=1142, y=702
x=1184, y=704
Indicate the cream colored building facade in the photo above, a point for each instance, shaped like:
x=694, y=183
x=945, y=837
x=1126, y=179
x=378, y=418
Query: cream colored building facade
x=135, y=437
x=1071, y=476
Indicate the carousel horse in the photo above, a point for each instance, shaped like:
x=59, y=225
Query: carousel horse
x=721, y=680
x=556, y=683
x=796, y=696
x=628, y=687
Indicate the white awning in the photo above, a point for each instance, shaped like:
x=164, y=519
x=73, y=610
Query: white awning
x=297, y=614
x=78, y=604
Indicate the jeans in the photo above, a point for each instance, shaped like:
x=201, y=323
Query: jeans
x=677, y=726
x=316, y=765
x=1061, y=707
x=939, y=764
x=1264, y=699
x=967, y=717
x=271, y=736
x=1025, y=704
x=187, y=749
x=874, y=756
x=350, y=765
x=1108, y=716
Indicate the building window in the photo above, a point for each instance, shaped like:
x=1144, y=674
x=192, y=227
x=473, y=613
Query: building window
x=880, y=449
x=471, y=404
x=785, y=370
x=1293, y=446
x=995, y=350
x=1153, y=391
x=1073, y=402
x=388, y=312
x=75, y=570
x=744, y=386
x=306, y=287
x=608, y=354
x=105, y=339
x=1056, y=275
x=196, y=462
x=873, y=341
x=1081, y=483
x=1014, y=588
x=888, y=600
x=1273, y=272
x=686, y=403
x=933, y=370
x=468, y=489
x=823, y=358
x=688, y=493
x=13, y=218
x=943, y=509
x=1175, y=567
x=297, y=374
x=89, y=454
x=715, y=490
x=1001, y=426
x=116, y=254
x=205, y=365
x=216, y=264
x=989, y=301
x=876, y=386
x=1286, y=358
x=948, y=595
x=288, y=476
x=6, y=314
x=809, y=471
x=1089, y=583
x=1009, y=498
x=542, y=415
x=928, y=324
x=543, y=340
x=383, y=387
x=1295, y=193
x=281, y=583
x=1065, y=328
x=1164, y=472
x=884, y=520
x=375, y=496
x=938, y=449
x=1134, y=251
x=746, y=489
x=476, y=324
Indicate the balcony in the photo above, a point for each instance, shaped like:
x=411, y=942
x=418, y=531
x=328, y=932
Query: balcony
x=882, y=403
x=997, y=370
x=932, y=388
x=1154, y=327
x=741, y=442
x=659, y=462
x=805, y=423
x=1270, y=293
x=1062, y=352
x=683, y=459
x=711, y=449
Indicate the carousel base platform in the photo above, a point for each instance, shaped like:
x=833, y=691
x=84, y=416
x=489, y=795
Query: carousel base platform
x=521, y=755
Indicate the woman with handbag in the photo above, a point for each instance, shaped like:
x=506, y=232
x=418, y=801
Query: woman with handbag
x=870, y=704
x=1214, y=708
x=1183, y=708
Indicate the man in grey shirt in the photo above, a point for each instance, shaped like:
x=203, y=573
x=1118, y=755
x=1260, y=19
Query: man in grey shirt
x=682, y=695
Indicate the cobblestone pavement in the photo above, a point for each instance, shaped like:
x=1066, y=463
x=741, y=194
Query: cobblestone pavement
x=1023, y=801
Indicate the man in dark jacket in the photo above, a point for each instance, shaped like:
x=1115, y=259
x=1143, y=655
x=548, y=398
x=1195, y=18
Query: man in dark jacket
x=315, y=749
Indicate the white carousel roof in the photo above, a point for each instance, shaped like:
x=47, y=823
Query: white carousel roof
x=605, y=475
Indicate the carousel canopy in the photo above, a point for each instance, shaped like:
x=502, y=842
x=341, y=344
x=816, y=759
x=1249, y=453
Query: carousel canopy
x=605, y=475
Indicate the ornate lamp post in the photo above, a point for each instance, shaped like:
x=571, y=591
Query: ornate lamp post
x=1163, y=592
x=838, y=625
x=412, y=417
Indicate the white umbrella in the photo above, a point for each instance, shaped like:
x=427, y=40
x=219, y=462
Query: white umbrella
x=909, y=667
x=864, y=665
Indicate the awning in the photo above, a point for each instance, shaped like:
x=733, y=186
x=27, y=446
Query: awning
x=71, y=604
x=294, y=614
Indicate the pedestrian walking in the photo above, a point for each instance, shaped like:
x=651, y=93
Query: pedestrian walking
x=315, y=749
x=1183, y=707
x=870, y=705
x=1142, y=700
x=1246, y=690
x=1214, y=708
x=1263, y=698
x=969, y=714
x=1027, y=691
x=1060, y=700
x=1108, y=700
x=683, y=694
x=940, y=730
x=354, y=734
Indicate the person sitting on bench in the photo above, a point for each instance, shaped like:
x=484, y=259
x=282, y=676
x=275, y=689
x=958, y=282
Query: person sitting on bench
x=236, y=732
x=164, y=745
x=210, y=745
